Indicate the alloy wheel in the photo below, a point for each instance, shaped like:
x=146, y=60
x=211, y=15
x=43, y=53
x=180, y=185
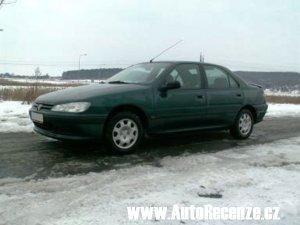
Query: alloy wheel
x=125, y=133
x=245, y=124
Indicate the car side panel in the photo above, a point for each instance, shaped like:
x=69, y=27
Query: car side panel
x=223, y=105
x=141, y=99
x=179, y=109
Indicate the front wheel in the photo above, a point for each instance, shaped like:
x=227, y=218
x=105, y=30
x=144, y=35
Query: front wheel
x=124, y=132
x=243, y=125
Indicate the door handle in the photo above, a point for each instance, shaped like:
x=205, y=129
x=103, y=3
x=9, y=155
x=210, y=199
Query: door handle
x=239, y=95
x=200, y=96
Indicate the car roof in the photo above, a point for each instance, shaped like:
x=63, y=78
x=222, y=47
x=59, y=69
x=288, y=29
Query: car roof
x=180, y=62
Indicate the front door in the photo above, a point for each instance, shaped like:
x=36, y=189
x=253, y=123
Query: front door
x=181, y=108
x=224, y=97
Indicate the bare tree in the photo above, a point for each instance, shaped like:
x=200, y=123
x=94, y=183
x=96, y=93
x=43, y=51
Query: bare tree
x=5, y=2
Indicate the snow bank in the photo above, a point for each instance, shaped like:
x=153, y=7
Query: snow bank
x=262, y=175
x=294, y=93
x=47, y=81
x=14, y=117
x=13, y=87
x=51, y=81
x=278, y=110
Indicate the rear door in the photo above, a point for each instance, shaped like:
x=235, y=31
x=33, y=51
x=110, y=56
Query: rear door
x=224, y=97
x=184, y=107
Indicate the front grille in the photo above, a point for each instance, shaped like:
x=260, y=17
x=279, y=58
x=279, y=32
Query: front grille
x=44, y=126
x=39, y=106
x=64, y=129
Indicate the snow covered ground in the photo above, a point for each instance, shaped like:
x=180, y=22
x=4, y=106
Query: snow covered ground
x=293, y=93
x=12, y=87
x=261, y=175
x=277, y=110
x=14, y=115
x=50, y=81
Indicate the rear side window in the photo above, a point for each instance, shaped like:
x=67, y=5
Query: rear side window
x=216, y=78
x=187, y=74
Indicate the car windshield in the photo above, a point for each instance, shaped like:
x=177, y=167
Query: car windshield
x=139, y=74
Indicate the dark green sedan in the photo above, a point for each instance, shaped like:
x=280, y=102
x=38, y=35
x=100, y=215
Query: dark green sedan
x=151, y=98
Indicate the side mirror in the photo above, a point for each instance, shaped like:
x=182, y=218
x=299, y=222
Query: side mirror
x=170, y=85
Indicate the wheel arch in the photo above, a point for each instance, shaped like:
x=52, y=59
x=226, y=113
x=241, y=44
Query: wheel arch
x=131, y=108
x=252, y=110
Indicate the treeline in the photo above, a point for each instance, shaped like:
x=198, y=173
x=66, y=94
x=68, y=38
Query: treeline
x=11, y=75
x=93, y=74
x=284, y=81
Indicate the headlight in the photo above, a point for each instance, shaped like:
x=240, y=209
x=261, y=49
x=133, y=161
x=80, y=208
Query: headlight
x=75, y=107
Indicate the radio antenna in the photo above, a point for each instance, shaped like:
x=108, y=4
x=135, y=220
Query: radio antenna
x=165, y=50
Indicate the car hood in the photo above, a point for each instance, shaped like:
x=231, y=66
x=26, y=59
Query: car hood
x=86, y=92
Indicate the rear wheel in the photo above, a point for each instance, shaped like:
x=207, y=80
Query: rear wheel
x=124, y=132
x=243, y=125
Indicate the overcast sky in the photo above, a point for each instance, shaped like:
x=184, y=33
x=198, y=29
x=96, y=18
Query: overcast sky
x=242, y=35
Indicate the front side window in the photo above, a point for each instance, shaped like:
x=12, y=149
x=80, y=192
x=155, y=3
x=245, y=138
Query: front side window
x=188, y=76
x=139, y=74
x=216, y=78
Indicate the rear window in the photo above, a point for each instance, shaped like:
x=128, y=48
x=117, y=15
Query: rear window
x=233, y=83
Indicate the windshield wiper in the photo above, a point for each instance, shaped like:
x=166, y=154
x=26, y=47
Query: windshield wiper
x=117, y=82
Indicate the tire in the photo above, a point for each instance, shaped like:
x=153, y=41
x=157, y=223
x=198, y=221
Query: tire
x=243, y=125
x=123, y=133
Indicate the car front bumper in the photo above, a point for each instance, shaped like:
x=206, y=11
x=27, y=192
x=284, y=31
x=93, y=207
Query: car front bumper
x=69, y=126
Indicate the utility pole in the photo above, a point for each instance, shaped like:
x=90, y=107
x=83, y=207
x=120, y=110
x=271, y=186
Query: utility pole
x=201, y=57
x=79, y=61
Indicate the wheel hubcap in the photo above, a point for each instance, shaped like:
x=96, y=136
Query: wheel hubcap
x=125, y=133
x=245, y=124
